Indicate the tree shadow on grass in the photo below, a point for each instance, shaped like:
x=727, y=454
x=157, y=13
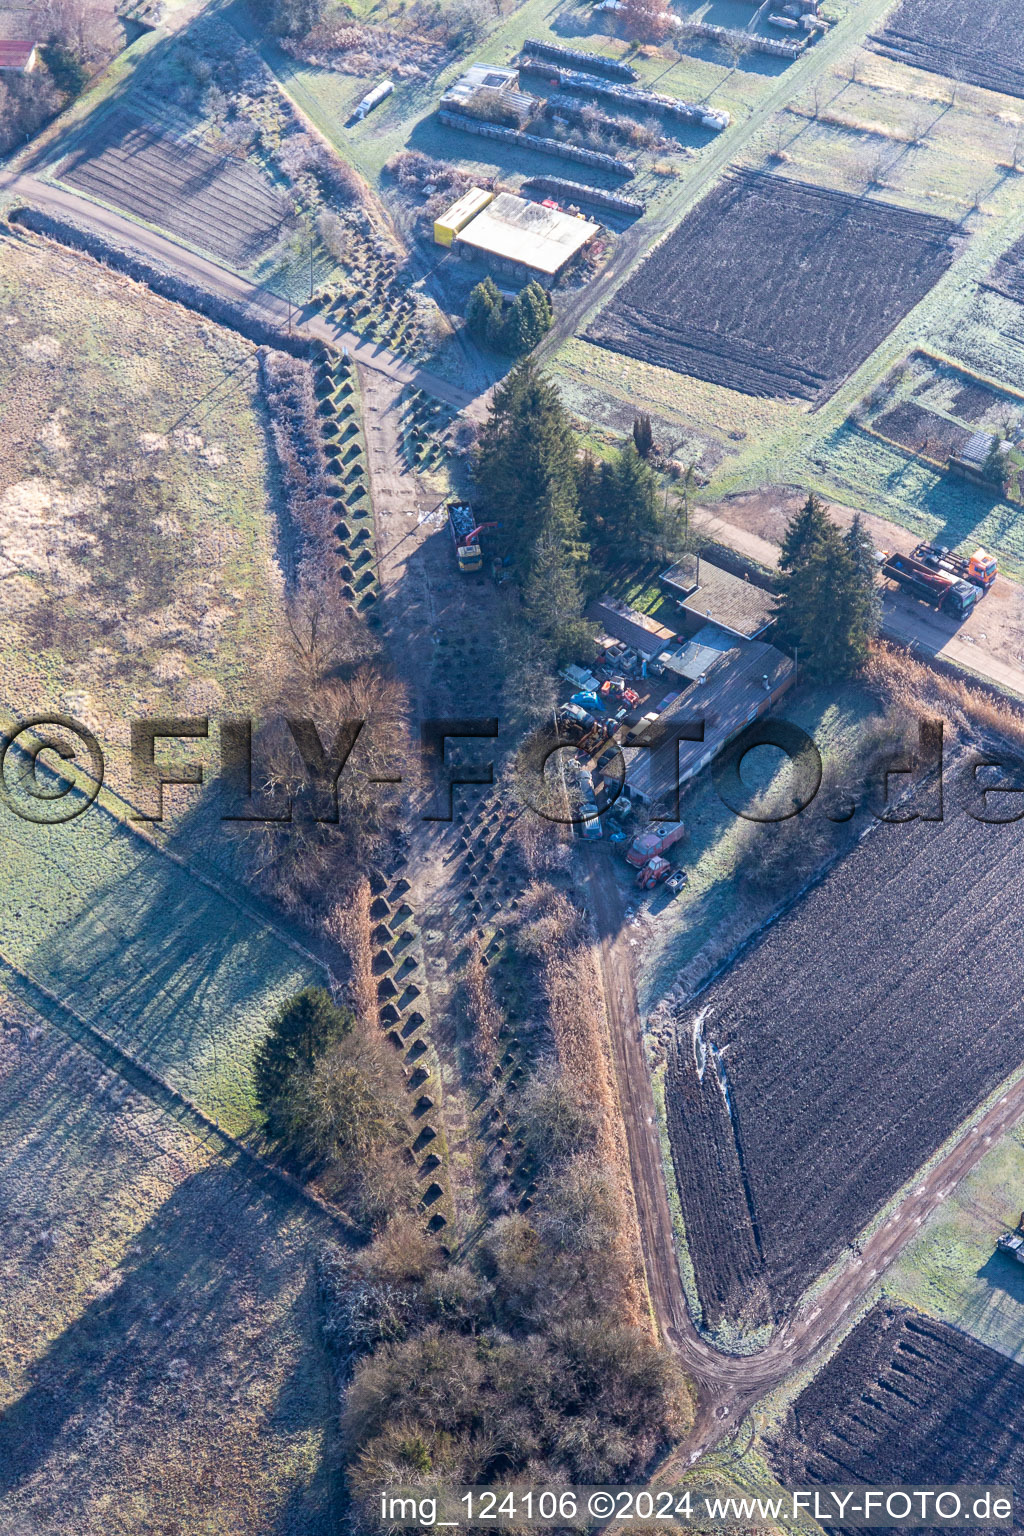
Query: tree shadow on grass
x=180, y=974
x=1001, y=1272
x=203, y=1310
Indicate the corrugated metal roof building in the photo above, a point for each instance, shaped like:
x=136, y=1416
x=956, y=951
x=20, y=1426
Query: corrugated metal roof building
x=739, y=686
x=524, y=240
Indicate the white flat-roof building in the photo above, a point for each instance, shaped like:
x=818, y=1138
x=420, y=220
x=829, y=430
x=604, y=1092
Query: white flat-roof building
x=524, y=240
x=490, y=86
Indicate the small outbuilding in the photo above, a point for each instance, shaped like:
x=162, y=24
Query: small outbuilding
x=455, y=218
x=492, y=92
x=522, y=240
x=626, y=625
x=18, y=57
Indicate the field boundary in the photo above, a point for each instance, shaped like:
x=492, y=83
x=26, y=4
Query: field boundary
x=170, y=1100
x=261, y=331
x=955, y=366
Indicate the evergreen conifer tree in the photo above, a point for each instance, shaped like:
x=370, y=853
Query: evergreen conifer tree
x=643, y=435
x=483, y=310
x=803, y=527
x=525, y=466
x=827, y=602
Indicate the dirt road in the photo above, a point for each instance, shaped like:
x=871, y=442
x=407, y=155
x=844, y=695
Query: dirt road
x=124, y=233
x=729, y=1385
x=990, y=643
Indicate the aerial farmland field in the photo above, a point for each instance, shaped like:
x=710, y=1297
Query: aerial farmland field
x=960, y=39
x=774, y=287
x=160, y=1366
x=791, y=1124
x=1007, y=276
x=903, y=1397
x=141, y=550
x=182, y=977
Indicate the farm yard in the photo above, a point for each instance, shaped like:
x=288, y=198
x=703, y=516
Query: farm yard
x=959, y=39
x=773, y=287
x=790, y=1128
x=161, y=1362
x=903, y=1396
x=217, y=203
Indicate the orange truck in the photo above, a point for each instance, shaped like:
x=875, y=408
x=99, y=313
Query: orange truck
x=979, y=569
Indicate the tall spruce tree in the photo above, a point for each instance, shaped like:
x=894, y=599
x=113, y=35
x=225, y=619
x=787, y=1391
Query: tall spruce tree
x=865, y=567
x=525, y=465
x=483, y=310
x=803, y=527
x=826, y=596
x=643, y=435
x=633, y=499
x=553, y=597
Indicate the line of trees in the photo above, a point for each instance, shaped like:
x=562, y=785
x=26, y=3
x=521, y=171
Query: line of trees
x=515, y=328
x=828, y=606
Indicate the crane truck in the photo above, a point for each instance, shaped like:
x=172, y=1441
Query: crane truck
x=942, y=589
x=465, y=532
x=979, y=569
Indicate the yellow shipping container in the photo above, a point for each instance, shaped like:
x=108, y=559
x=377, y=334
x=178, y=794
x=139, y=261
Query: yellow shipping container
x=459, y=215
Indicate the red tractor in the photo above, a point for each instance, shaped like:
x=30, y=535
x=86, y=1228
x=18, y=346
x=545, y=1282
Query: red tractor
x=653, y=874
x=615, y=689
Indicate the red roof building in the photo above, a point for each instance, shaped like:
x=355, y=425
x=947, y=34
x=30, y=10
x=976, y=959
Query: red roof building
x=19, y=56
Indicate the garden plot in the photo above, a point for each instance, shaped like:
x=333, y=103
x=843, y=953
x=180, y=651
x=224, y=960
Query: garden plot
x=961, y=39
x=931, y=408
x=907, y=1400
x=161, y=1364
x=922, y=431
x=774, y=287
x=217, y=203
x=810, y=1082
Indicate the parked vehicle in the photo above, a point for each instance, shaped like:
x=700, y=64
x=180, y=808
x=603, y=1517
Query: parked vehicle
x=615, y=689
x=588, y=701
x=653, y=843
x=979, y=569
x=576, y=721
x=940, y=588
x=653, y=873
x=465, y=532
x=590, y=826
